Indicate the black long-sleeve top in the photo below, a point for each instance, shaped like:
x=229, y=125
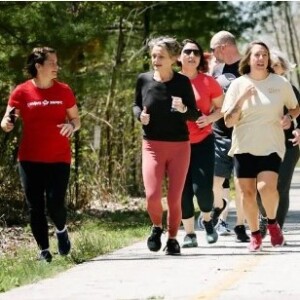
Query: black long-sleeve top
x=288, y=132
x=165, y=124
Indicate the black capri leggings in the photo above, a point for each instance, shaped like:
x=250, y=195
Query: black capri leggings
x=45, y=186
x=199, y=180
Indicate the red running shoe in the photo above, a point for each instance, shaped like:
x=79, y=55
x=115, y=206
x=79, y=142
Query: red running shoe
x=255, y=243
x=277, y=238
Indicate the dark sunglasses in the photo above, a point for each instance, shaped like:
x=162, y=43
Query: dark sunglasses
x=189, y=51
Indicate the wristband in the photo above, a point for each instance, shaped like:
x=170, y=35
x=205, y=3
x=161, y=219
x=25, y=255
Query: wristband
x=290, y=116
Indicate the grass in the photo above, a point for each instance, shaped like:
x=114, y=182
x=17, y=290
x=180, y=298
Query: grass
x=91, y=236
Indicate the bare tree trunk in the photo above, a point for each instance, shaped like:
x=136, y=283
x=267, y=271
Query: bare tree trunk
x=295, y=36
x=274, y=27
x=110, y=101
x=289, y=25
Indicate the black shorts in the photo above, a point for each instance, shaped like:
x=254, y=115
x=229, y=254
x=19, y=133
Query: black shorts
x=223, y=162
x=249, y=166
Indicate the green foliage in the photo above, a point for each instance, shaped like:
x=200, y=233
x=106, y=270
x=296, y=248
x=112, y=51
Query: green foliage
x=101, y=50
x=91, y=236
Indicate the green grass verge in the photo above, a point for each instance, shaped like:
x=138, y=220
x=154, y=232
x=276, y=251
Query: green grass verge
x=91, y=236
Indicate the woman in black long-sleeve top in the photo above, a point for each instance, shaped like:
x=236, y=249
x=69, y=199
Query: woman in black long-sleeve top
x=164, y=101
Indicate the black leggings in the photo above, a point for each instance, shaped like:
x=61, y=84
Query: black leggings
x=45, y=186
x=199, y=180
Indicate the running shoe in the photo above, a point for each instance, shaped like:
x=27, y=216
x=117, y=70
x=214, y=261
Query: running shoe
x=263, y=222
x=275, y=232
x=216, y=212
x=190, y=241
x=45, y=255
x=241, y=235
x=211, y=233
x=63, y=242
x=255, y=243
x=223, y=228
x=154, y=240
x=172, y=247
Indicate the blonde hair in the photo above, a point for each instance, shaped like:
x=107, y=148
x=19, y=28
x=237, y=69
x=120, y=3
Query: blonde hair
x=278, y=56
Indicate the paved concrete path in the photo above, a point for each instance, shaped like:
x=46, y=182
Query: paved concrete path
x=225, y=270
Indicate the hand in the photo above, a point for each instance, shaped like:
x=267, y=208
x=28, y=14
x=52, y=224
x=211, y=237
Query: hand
x=67, y=129
x=177, y=105
x=286, y=122
x=249, y=92
x=203, y=121
x=144, y=117
x=6, y=124
x=296, y=139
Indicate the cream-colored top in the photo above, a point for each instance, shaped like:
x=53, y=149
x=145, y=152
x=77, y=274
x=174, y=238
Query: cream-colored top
x=259, y=131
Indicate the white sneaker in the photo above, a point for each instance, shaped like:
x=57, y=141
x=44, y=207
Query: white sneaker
x=223, y=229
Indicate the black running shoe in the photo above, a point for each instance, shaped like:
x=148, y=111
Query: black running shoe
x=216, y=212
x=154, y=242
x=211, y=233
x=241, y=235
x=64, y=244
x=45, y=255
x=172, y=247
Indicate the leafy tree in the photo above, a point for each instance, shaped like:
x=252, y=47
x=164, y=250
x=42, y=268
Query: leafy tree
x=101, y=49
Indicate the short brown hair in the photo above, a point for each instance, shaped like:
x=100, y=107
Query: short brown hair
x=172, y=46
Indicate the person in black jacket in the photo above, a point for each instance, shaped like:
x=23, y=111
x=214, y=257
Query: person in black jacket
x=164, y=101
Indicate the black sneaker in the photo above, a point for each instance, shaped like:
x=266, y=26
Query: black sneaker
x=172, y=247
x=263, y=222
x=216, y=212
x=241, y=235
x=64, y=244
x=211, y=233
x=154, y=242
x=45, y=255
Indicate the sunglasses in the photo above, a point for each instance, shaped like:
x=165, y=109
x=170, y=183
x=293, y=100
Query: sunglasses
x=189, y=51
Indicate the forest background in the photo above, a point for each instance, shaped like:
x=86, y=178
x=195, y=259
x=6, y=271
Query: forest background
x=101, y=50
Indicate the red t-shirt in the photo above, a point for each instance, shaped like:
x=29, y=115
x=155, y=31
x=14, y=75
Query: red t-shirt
x=41, y=110
x=205, y=89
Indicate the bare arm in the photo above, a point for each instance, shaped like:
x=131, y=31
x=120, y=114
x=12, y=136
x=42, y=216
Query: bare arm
x=205, y=120
x=232, y=115
x=73, y=124
x=294, y=113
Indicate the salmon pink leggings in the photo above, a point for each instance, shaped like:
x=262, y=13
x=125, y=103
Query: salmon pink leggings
x=160, y=159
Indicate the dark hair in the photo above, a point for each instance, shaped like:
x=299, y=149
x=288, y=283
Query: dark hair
x=37, y=55
x=203, y=65
x=244, y=67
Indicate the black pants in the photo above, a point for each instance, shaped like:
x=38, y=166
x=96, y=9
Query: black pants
x=199, y=180
x=285, y=176
x=45, y=186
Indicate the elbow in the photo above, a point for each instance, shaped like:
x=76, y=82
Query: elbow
x=228, y=122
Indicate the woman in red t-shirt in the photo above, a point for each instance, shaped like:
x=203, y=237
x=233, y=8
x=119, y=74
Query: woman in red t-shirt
x=49, y=115
x=199, y=180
